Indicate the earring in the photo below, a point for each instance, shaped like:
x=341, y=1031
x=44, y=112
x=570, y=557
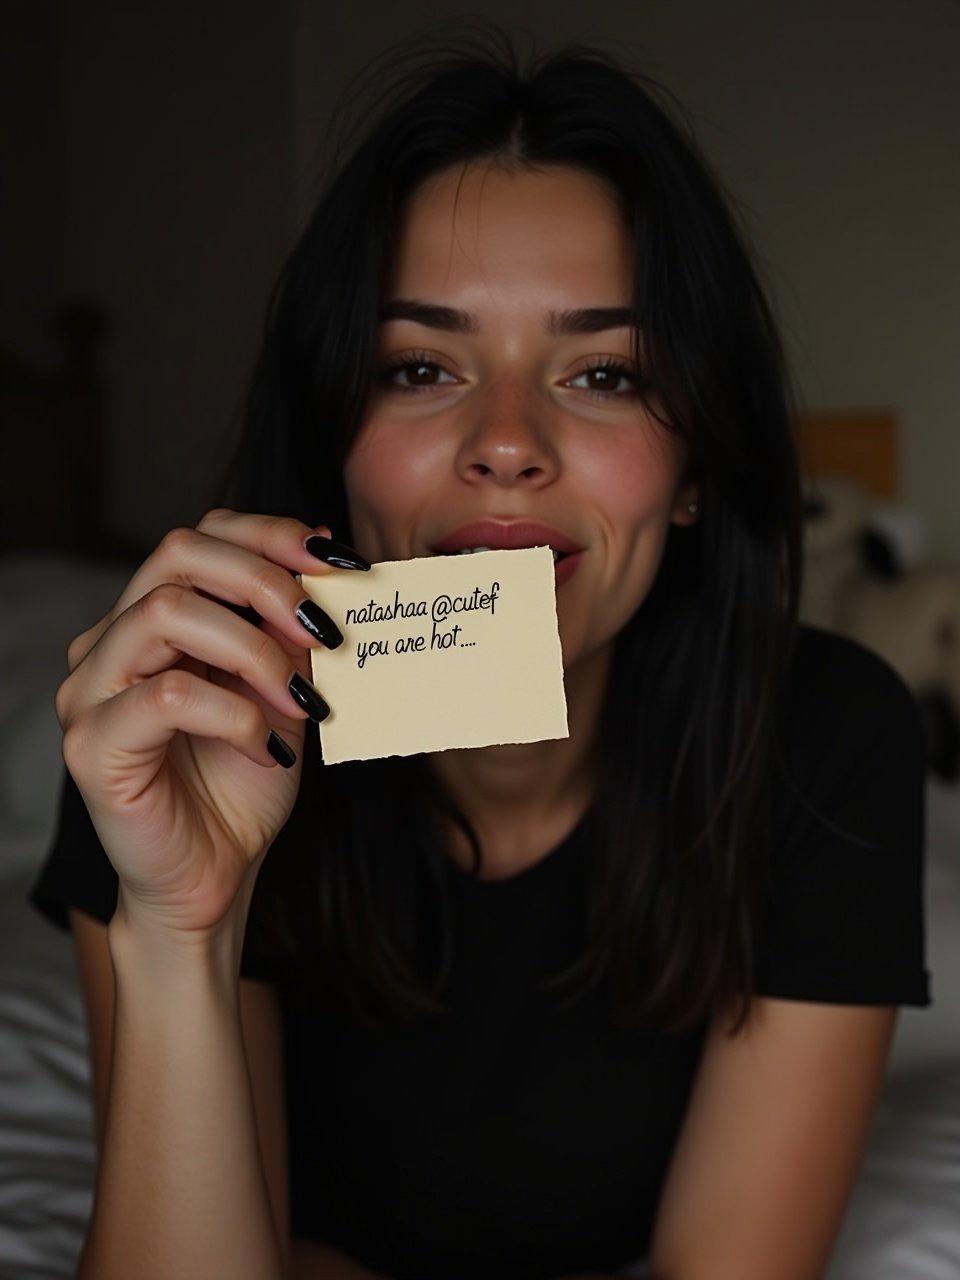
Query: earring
x=691, y=507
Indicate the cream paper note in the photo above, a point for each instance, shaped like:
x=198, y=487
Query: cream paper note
x=439, y=652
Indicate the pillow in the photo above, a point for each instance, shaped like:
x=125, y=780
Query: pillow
x=48, y=598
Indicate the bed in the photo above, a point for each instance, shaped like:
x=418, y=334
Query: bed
x=903, y=1221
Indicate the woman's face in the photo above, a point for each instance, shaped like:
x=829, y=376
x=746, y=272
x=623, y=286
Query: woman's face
x=505, y=421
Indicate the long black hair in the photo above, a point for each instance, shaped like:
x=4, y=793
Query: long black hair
x=352, y=890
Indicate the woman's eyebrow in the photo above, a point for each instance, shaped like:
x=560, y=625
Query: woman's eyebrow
x=556, y=323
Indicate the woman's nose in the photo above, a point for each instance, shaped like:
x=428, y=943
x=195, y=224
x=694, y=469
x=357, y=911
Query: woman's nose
x=509, y=441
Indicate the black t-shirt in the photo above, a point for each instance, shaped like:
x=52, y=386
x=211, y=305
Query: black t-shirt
x=517, y=1141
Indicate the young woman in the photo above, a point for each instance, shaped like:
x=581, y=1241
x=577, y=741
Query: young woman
x=618, y=1000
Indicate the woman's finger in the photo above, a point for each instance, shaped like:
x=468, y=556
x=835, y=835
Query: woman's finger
x=200, y=557
x=227, y=570
x=282, y=538
x=139, y=722
x=171, y=621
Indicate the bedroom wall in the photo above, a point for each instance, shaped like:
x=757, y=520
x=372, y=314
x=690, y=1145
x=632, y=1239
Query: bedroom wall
x=176, y=122
x=31, y=266
x=171, y=156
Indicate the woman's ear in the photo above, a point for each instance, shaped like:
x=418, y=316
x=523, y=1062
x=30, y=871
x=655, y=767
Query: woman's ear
x=686, y=509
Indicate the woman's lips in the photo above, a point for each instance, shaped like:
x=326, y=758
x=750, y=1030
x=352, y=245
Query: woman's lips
x=565, y=567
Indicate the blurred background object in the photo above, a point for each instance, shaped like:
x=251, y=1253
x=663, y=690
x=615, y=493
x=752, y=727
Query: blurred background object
x=52, y=490
x=160, y=160
x=867, y=572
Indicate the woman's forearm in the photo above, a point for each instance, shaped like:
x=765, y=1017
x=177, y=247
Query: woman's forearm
x=313, y=1260
x=180, y=1188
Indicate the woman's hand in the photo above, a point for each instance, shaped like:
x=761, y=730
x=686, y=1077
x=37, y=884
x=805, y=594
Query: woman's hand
x=168, y=707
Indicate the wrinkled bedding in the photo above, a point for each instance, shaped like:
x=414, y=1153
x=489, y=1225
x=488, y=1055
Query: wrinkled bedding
x=903, y=1222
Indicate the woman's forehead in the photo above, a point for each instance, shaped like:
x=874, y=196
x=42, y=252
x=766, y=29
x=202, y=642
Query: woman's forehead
x=485, y=239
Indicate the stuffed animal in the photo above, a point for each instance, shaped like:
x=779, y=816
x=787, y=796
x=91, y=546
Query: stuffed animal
x=866, y=575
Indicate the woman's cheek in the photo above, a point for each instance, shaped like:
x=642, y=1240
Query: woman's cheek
x=389, y=475
x=631, y=488
x=633, y=496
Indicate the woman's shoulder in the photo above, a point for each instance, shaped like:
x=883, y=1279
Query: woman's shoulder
x=845, y=901
x=834, y=685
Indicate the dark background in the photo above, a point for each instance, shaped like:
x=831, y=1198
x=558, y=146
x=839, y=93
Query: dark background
x=159, y=160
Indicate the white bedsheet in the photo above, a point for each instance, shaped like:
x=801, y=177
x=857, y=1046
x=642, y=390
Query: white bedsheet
x=47, y=1156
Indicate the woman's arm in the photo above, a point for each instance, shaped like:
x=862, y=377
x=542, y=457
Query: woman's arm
x=772, y=1142
x=312, y=1260
x=180, y=1186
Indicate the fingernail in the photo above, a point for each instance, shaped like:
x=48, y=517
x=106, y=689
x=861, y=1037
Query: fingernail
x=318, y=623
x=280, y=751
x=303, y=692
x=336, y=553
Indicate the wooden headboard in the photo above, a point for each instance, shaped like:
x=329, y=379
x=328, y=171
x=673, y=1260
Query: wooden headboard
x=862, y=445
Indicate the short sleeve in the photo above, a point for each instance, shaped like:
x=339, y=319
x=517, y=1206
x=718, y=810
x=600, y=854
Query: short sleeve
x=76, y=872
x=845, y=918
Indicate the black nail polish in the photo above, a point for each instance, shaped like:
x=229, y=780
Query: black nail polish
x=280, y=751
x=336, y=553
x=318, y=623
x=308, y=697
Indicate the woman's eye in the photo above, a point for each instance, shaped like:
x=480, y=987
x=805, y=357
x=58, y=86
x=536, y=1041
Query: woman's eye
x=610, y=373
x=424, y=373
x=387, y=374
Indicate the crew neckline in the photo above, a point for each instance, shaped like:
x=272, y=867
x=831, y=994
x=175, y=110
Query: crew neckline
x=520, y=879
